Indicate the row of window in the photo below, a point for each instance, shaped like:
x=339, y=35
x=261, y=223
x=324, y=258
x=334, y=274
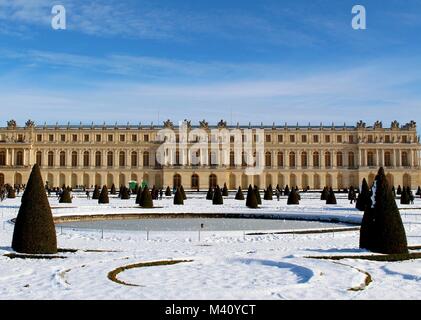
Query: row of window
x=98, y=138
x=268, y=138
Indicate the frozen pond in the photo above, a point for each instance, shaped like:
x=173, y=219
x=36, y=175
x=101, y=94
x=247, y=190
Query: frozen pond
x=206, y=224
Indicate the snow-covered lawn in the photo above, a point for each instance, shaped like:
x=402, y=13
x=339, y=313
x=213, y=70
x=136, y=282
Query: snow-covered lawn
x=225, y=265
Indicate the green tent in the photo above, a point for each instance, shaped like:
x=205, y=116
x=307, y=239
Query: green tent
x=132, y=185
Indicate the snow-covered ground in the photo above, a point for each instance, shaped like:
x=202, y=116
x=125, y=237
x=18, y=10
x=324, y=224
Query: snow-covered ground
x=222, y=265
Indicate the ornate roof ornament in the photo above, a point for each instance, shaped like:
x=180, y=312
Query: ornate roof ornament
x=187, y=123
x=203, y=124
x=378, y=125
x=222, y=124
x=11, y=124
x=394, y=124
x=29, y=124
x=410, y=125
x=168, y=124
x=361, y=124
x=238, y=125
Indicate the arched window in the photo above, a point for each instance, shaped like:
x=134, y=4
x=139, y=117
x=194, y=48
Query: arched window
x=351, y=160
x=50, y=159
x=268, y=159
x=194, y=181
x=98, y=159
x=280, y=159
x=370, y=159
x=38, y=158
x=339, y=159
x=316, y=160
x=62, y=159
x=232, y=159
x=387, y=159
x=405, y=159
x=86, y=159
x=304, y=160
x=146, y=159
x=177, y=181
x=213, y=181
x=292, y=163
x=19, y=158
x=177, y=158
x=110, y=159
x=74, y=159
x=328, y=160
x=2, y=158
x=122, y=159
x=134, y=159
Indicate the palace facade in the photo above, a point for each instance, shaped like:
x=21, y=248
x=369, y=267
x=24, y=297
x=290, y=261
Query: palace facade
x=314, y=156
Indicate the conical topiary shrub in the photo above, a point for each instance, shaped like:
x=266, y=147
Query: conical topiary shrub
x=382, y=229
x=217, y=197
x=34, y=231
x=11, y=193
x=178, y=197
x=225, y=190
x=124, y=193
x=239, y=195
x=113, y=191
x=286, y=191
x=293, y=198
x=251, y=200
x=139, y=196
x=103, y=196
x=268, y=194
x=399, y=191
x=209, y=194
x=324, y=194
x=183, y=193
x=95, y=194
x=146, y=200
x=331, y=198
x=65, y=197
x=364, y=197
x=168, y=192
x=418, y=193
x=405, y=196
x=257, y=191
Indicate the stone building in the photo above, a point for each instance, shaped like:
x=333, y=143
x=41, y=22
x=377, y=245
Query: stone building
x=314, y=156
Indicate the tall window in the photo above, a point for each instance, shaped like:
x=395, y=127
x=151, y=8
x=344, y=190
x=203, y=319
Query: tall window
x=122, y=159
x=280, y=159
x=304, y=160
x=232, y=159
x=38, y=158
x=351, y=160
x=134, y=159
x=387, y=159
x=86, y=159
x=292, y=163
x=62, y=159
x=146, y=159
x=110, y=159
x=74, y=159
x=268, y=159
x=50, y=159
x=195, y=181
x=2, y=158
x=98, y=159
x=328, y=159
x=19, y=158
x=316, y=159
x=339, y=159
x=370, y=159
x=405, y=159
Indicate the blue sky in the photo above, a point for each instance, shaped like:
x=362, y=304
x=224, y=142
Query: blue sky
x=243, y=61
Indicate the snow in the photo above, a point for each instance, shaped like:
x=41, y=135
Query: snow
x=225, y=265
